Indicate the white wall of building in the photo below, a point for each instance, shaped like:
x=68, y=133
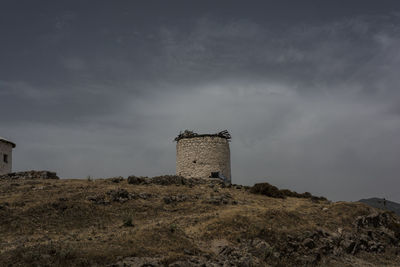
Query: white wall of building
x=5, y=157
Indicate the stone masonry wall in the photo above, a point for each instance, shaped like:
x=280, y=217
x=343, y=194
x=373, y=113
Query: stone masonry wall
x=197, y=157
x=5, y=148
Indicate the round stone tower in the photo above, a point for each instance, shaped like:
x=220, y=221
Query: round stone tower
x=203, y=155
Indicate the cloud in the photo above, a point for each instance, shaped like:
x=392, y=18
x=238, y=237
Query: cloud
x=311, y=106
x=74, y=64
x=19, y=89
x=64, y=20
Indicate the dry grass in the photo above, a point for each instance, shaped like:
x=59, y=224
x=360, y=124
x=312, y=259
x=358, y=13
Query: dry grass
x=52, y=222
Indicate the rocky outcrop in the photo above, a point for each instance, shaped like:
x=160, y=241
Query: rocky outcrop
x=372, y=233
x=220, y=199
x=174, y=199
x=118, y=195
x=245, y=255
x=30, y=175
x=172, y=180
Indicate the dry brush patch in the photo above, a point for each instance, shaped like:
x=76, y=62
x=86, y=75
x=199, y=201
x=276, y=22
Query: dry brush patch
x=98, y=222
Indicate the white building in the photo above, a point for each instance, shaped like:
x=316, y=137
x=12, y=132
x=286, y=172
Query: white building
x=5, y=156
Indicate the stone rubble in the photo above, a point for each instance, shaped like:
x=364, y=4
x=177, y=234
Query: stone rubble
x=174, y=199
x=220, y=199
x=119, y=195
x=30, y=175
x=172, y=180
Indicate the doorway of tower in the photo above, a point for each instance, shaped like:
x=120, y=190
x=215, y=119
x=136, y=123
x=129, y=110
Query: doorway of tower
x=214, y=175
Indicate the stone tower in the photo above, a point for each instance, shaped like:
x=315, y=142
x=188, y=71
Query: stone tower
x=203, y=155
x=6, y=148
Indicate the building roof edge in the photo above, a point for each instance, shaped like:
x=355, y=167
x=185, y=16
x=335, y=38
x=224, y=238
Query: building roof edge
x=8, y=142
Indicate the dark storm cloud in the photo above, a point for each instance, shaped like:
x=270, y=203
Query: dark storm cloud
x=309, y=92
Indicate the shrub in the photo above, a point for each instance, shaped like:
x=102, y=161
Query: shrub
x=173, y=227
x=137, y=180
x=267, y=190
x=128, y=221
x=272, y=191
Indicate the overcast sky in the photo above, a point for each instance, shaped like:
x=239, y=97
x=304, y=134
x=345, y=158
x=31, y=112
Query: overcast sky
x=309, y=90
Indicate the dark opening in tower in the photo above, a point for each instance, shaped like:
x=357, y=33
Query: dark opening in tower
x=214, y=175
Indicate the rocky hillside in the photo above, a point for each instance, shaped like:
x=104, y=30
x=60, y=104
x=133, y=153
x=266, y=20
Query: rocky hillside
x=383, y=204
x=173, y=221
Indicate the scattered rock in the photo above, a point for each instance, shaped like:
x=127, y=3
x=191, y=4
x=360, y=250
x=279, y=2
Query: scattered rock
x=142, y=195
x=119, y=195
x=170, y=180
x=174, y=199
x=220, y=199
x=309, y=243
x=122, y=195
x=99, y=200
x=260, y=248
x=371, y=234
x=30, y=175
x=116, y=179
x=174, y=180
x=138, y=261
x=372, y=220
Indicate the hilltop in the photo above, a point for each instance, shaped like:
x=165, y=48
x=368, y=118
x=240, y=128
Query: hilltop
x=173, y=221
x=379, y=204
